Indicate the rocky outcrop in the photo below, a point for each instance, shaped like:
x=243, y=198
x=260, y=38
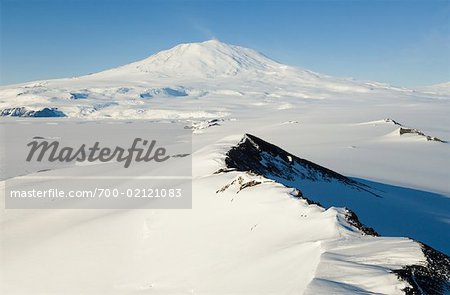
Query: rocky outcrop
x=256, y=156
x=404, y=130
x=389, y=120
x=429, y=279
x=265, y=159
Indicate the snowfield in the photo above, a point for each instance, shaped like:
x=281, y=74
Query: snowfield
x=302, y=183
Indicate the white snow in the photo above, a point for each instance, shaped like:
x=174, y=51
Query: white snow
x=258, y=240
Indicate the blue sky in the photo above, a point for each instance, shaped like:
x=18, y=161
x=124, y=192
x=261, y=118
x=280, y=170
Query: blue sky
x=399, y=42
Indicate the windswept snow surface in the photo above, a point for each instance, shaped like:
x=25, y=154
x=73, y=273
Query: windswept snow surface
x=259, y=239
x=245, y=233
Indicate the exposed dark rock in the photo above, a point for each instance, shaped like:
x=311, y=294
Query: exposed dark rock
x=299, y=194
x=224, y=170
x=260, y=157
x=389, y=120
x=429, y=279
x=408, y=130
x=419, y=133
x=241, y=182
x=249, y=184
x=353, y=219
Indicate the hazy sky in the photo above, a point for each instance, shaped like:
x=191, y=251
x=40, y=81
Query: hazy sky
x=400, y=42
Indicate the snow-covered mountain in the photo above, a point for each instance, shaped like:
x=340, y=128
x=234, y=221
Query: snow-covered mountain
x=187, y=72
x=210, y=59
x=302, y=183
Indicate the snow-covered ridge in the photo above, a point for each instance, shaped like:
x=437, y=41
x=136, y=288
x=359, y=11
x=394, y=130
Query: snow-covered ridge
x=404, y=131
x=325, y=187
x=259, y=162
x=258, y=156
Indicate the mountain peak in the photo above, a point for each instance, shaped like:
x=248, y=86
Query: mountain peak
x=206, y=59
x=212, y=42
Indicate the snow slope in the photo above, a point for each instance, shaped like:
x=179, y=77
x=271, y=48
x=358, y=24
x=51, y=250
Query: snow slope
x=247, y=233
x=258, y=239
